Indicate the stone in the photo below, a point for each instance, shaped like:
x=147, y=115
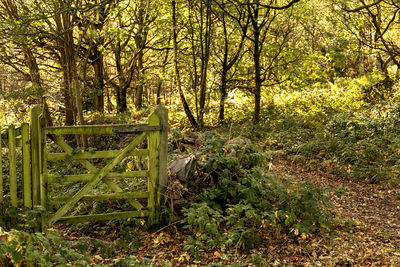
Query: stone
x=184, y=168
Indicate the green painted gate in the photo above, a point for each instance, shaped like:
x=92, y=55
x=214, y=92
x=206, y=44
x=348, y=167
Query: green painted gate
x=148, y=143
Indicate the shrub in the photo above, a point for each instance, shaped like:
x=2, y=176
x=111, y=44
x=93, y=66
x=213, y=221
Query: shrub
x=244, y=199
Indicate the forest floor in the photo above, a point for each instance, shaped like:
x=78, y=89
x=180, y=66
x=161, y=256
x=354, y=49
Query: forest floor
x=366, y=222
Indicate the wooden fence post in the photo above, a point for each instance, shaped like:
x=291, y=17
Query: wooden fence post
x=153, y=180
x=158, y=160
x=1, y=167
x=162, y=113
x=36, y=112
x=26, y=162
x=43, y=171
x=13, y=166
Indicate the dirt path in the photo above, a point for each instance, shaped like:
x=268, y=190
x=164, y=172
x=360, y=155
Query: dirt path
x=368, y=220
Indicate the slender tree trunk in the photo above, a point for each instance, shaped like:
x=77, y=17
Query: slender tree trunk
x=205, y=59
x=67, y=73
x=140, y=41
x=257, y=76
x=223, y=95
x=159, y=89
x=98, y=66
x=258, y=83
x=139, y=86
x=186, y=108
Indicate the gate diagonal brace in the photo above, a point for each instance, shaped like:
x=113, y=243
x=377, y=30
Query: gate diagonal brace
x=92, y=169
x=97, y=177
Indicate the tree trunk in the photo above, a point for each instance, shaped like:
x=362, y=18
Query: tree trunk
x=223, y=95
x=99, y=80
x=186, y=108
x=140, y=41
x=139, y=86
x=205, y=56
x=34, y=74
x=257, y=77
x=65, y=44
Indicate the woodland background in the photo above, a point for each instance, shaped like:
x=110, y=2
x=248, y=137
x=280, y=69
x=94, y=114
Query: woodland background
x=215, y=60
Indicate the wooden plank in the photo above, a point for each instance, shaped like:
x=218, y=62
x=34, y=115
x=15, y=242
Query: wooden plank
x=87, y=177
x=104, y=216
x=104, y=197
x=92, y=155
x=26, y=163
x=36, y=112
x=1, y=168
x=96, y=178
x=13, y=166
x=136, y=129
x=152, y=183
x=43, y=170
x=118, y=189
x=96, y=129
x=162, y=113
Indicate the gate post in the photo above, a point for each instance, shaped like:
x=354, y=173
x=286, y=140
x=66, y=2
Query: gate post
x=158, y=153
x=162, y=113
x=1, y=167
x=26, y=162
x=13, y=166
x=36, y=113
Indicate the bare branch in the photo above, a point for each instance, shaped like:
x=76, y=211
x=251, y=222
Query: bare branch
x=364, y=6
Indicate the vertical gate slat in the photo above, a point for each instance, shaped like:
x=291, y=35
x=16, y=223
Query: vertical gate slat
x=43, y=169
x=35, y=150
x=162, y=113
x=1, y=168
x=153, y=143
x=13, y=166
x=26, y=158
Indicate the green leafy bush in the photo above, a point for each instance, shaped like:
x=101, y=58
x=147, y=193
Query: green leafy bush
x=244, y=199
x=37, y=249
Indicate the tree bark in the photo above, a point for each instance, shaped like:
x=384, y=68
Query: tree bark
x=186, y=108
x=205, y=57
x=98, y=67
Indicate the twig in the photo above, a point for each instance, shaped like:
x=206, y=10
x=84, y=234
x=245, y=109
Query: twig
x=159, y=230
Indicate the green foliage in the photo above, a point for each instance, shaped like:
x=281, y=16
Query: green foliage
x=19, y=218
x=37, y=249
x=245, y=200
x=361, y=145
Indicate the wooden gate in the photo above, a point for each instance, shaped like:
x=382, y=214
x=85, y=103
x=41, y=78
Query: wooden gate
x=150, y=144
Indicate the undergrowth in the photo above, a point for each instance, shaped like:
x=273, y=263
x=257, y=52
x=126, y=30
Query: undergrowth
x=362, y=145
x=243, y=203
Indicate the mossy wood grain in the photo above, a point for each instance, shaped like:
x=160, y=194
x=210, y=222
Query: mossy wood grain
x=1, y=168
x=93, y=155
x=13, y=165
x=103, y=197
x=87, y=177
x=104, y=216
x=36, y=112
x=101, y=129
x=26, y=162
x=153, y=142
